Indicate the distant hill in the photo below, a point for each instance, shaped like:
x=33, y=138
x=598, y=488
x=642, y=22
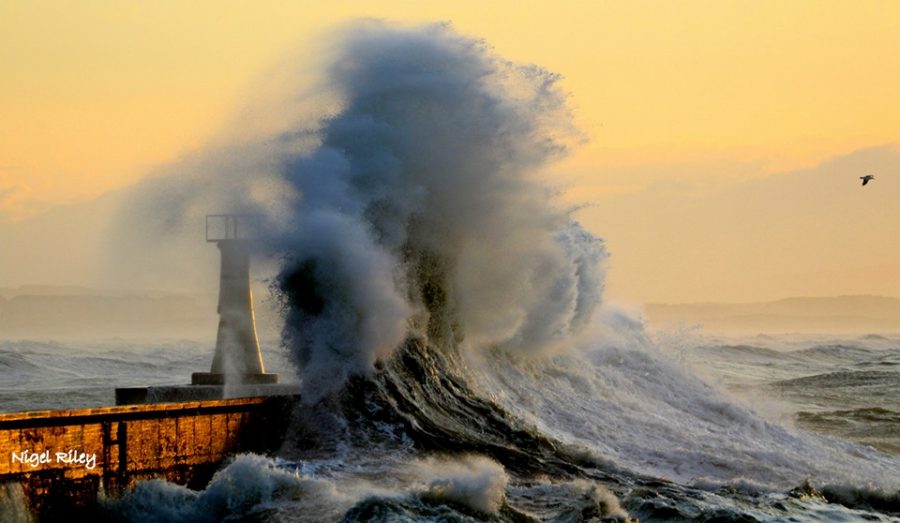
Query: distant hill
x=824, y=315
x=62, y=290
x=66, y=312
x=51, y=312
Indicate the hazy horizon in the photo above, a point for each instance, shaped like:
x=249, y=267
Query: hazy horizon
x=67, y=312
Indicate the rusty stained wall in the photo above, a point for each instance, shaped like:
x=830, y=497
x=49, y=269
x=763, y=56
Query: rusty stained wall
x=181, y=442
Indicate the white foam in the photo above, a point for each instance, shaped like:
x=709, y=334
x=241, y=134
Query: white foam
x=474, y=481
x=248, y=484
x=634, y=403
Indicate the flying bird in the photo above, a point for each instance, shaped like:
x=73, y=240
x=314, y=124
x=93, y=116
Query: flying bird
x=866, y=178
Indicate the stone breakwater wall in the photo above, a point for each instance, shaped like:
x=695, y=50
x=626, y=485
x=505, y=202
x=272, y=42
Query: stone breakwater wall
x=53, y=464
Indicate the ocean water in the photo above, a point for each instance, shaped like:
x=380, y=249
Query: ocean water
x=629, y=425
x=48, y=374
x=444, y=309
x=847, y=387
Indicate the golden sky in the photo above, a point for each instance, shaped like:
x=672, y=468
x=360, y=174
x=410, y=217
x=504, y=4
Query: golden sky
x=692, y=102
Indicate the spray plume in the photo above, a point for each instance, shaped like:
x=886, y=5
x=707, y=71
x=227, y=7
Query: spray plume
x=405, y=203
x=419, y=209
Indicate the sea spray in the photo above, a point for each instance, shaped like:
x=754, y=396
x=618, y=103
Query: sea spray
x=246, y=485
x=420, y=211
x=409, y=202
x=475, y=482
x=632, y=402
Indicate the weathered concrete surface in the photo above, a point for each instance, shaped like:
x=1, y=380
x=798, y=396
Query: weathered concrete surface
x=184, y=393
x=58, y=461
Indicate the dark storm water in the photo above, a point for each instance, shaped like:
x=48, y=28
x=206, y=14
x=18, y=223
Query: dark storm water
x=613, y=430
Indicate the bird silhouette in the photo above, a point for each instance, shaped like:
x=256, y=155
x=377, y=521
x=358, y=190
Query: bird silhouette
x=866, y=178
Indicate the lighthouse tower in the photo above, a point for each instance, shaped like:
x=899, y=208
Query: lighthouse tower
x=237, y=359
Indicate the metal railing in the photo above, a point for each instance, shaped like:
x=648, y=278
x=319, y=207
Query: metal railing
x=222, y=227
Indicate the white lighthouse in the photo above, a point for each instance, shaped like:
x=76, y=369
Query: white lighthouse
x=237, y=359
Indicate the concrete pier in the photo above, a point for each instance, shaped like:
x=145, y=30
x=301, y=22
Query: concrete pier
x=53, y=464
x=182, y=393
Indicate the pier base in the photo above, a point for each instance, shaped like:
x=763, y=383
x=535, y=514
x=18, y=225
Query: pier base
x=181, y=393
x=216, y=378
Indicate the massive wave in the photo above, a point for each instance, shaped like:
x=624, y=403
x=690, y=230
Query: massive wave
x=444, y=312
x=419, y=212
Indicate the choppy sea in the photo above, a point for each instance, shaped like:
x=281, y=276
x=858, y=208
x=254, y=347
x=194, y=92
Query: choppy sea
x=655, y=427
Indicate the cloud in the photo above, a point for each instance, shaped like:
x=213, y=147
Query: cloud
x=15, y=201
x=812, y=231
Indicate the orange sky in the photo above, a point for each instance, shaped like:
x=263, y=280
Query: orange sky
x=682, y=101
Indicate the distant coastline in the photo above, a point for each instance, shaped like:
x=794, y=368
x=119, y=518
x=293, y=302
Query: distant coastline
x=48, y=312
x=834, y=314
